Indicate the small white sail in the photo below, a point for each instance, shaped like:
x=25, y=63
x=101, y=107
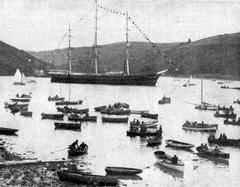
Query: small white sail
x=17, y=76
x=24, y=79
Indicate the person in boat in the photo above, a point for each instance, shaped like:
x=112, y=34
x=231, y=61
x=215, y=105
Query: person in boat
x=174, y=159
x=160, y=130
x=74, y=145
x=205, y=146
x=224, y=137
x=87, y=115
x=216, y=149
x=83, y=146
x=231, y=108
x=138, y=122
x=143, y=127
x=221, y=137
x=17, y=95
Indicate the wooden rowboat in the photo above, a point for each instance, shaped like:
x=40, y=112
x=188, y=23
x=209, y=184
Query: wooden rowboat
x=84, y=178
x=178, y=144
x=147, y=115
x=77, y=152
x=26, y=113
x=56, y=98
x=69, y=102
x=227, y=142
x=199, y=126
x=84, y=118
x=212, y=155
x=7, y=131
x=114, y=120
x=142, y=134
x=166, y=161
x=20, y=99
x=122, y=170
x=100, y=108
x=68, y=126
x=52, y=116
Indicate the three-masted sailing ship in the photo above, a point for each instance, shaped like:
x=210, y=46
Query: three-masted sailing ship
x=96, y=78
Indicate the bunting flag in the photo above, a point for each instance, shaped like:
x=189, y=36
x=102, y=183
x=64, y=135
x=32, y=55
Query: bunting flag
x=139, y=30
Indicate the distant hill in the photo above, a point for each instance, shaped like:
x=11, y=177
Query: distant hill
x=12, y=58
x=214, y=55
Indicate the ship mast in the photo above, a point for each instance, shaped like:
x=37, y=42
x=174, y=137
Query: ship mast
x=69, y=50
x=95, y=41
x=201, y=90
x=127, y=46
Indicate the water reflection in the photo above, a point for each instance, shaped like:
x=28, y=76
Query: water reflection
x=172, y=172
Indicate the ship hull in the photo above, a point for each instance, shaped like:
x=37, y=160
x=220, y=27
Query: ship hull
x=144, y=80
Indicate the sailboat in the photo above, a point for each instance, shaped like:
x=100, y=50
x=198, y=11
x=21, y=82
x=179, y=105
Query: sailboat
x=19, y=78
x=96, y=78
x=204, y=105
x=189, y=83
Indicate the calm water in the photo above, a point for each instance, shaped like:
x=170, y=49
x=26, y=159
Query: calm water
x=108, y=143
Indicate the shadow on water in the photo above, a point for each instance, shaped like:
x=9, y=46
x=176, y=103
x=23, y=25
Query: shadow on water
x=125, y=177
x=216, y=161
x=172, y=172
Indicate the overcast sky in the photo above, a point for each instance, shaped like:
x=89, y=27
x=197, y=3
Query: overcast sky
x=41, y=24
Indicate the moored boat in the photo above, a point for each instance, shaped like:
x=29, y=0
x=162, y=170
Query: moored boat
x=66, y=109
x=178, y=144
x=69, y=102
x=122, y=170
x=225, y=115
x=212, y=154
x=194, y=126
x=26, y=113
x=100, y=108
x=52, y=116
x=115, y=120
x=75, y=117
x=20, y=99
x=224, y=142
x=56, y=98
x=7, y=131
x=237, y=101
x=138, y=111
x=115, y=112
x=86, y=178
x=232, y=122
x=169, y=161
x=68, y=126
x=148, y=115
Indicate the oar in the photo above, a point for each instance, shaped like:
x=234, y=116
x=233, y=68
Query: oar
x=59, y=150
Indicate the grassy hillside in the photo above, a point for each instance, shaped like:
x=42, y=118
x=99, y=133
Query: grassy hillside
x=12, y=58
x=214, y=55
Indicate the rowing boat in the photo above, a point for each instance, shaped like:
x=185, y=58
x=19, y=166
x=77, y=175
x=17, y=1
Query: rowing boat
x=166, y=161
x=75, y=117
x=69, y=102
x=122, y=170
x=20, y=99
x=26, y=113
x=68, y=126
x=194, y=126
x=77, y=152
x=178, y=144
x=7, y=131
x=85, y=178
x=52, y=116
x=212, y=154
x=100, y=108
x=148, y=115
x=115, y=120
x=142, y=134
x=227, y=142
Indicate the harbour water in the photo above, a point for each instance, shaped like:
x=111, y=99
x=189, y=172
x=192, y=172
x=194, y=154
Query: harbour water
x=108, y=143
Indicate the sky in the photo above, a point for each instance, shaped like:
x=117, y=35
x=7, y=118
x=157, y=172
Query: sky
x=42, y=24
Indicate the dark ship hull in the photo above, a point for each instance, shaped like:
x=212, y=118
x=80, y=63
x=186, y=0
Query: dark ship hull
x=146, y=80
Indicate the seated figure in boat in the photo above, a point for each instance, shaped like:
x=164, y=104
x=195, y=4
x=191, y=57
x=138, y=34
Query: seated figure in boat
x=160, y=130
x=143, y=127
x=216, y=149
x=83, y=145
x=224, y=137
x=174, y=159
x=86, y=115
x=74, y=145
